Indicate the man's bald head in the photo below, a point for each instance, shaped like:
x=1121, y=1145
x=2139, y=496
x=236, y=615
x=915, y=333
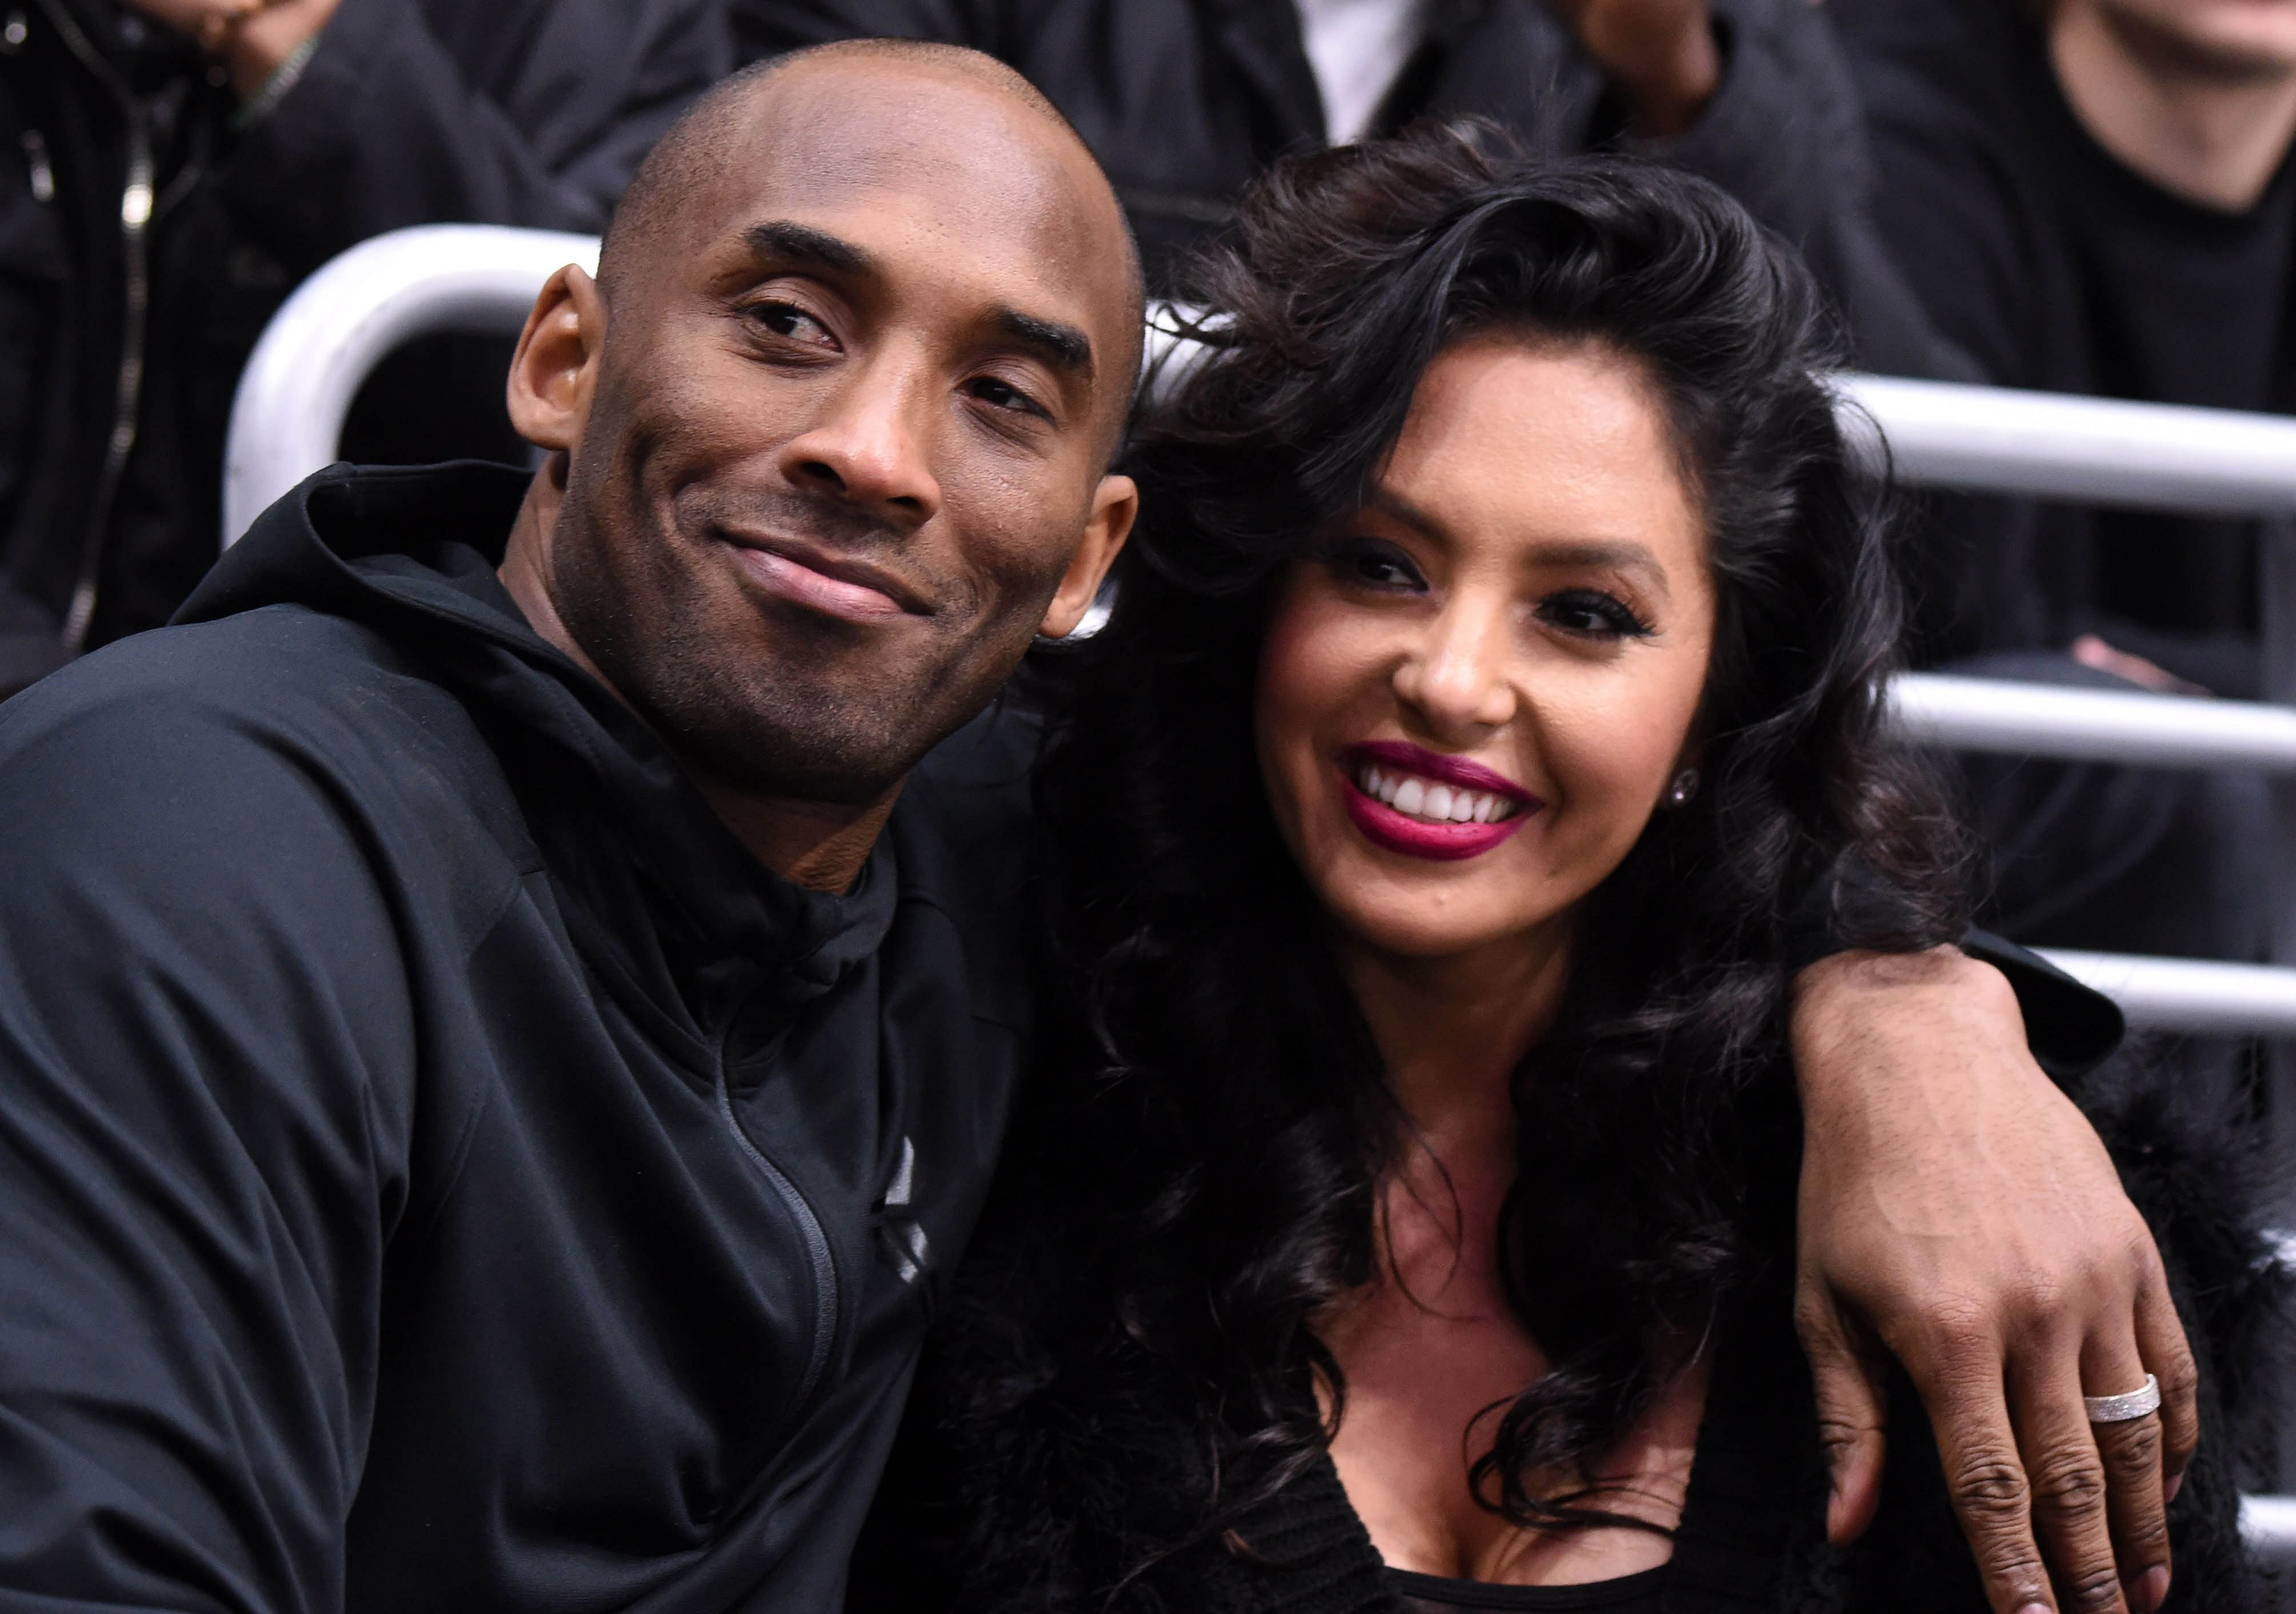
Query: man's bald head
x=711, y=135
x=831, y=434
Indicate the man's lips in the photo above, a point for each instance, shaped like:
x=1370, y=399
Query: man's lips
x=1422, y=804
x=834, y=584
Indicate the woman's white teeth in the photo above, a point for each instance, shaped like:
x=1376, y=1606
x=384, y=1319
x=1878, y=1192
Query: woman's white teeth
x=1418, y=797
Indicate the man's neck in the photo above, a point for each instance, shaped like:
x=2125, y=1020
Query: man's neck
x=2199, y=129
x=819, y=845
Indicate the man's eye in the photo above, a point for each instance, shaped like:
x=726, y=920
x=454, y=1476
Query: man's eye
x=1373, y=564
x=1004, y=394
x=791, y=324
x=1592, y=614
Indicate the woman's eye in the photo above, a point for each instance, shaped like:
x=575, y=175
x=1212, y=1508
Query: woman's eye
x=791, y=324
x=1592, y=614
x=1374, y=565
x=1004, y=394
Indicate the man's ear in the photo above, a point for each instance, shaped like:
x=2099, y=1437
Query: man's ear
x=1115, y=504
x=552, y=378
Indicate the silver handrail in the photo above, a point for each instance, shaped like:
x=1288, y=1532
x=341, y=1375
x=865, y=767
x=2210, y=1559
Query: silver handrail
x=287, y=416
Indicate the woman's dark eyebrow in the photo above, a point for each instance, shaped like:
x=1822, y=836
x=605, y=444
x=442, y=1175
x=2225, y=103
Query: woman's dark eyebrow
x=1618, y=554
x=1621, y=555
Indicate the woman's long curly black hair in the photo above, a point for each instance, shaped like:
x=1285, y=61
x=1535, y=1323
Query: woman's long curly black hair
x=1236, y=1121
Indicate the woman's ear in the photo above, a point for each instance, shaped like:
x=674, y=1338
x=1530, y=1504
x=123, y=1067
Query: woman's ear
x=552, y=378
x=1115, y=504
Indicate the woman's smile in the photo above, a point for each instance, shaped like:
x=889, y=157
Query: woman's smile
x=1422, y=804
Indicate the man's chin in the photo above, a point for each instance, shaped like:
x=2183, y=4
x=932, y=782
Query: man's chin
x=802, y=735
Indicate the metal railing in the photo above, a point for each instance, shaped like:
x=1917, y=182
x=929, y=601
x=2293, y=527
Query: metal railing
x=287, y=416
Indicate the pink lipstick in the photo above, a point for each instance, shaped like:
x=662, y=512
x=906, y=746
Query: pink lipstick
x=1422, y=804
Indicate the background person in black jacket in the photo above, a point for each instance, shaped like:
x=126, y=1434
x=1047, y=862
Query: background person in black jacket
x=1186, y=102
x=2096, y=196
x=170, y=168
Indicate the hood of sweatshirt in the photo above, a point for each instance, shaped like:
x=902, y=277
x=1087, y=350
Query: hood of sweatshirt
x=413, y=554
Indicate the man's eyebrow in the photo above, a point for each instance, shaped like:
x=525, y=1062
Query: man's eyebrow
x=785, y=241
x=1063, y=347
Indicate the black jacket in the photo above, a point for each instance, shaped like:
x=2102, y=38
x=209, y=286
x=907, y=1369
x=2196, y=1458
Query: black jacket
x=1049, y=1466
x=1184, y=102
x=121, y=346
x=2048, y=263
x=440, y=1169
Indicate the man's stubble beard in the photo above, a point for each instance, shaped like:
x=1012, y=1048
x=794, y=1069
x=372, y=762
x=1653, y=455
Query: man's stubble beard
x=761, y=726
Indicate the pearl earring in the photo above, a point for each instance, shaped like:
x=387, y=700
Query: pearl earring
x=1684, y=786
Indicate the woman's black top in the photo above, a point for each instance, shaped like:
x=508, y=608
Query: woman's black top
x=1046, y=1466
x=1439, y=1595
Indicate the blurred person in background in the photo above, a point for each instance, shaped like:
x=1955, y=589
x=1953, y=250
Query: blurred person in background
x=169, y=169
x=1186, y=102
x=2095, y=197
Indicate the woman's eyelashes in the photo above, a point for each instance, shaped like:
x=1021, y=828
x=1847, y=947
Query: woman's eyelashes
x=1592, y=613
x=1582, y=612
x=1373, y=564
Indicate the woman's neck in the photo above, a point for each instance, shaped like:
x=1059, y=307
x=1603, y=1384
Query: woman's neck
x=1431, y=1344
x=2199, y=129
x=1450, y=1031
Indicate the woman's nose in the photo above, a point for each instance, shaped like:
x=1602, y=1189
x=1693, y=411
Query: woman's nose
x=1456, y=679
x=870, y=448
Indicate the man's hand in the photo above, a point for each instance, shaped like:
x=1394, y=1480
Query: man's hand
x=1958, y=1213
x=1660, y=53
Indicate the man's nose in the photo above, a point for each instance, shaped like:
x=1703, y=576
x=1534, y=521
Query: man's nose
x=871, y=445
x=1457, y=678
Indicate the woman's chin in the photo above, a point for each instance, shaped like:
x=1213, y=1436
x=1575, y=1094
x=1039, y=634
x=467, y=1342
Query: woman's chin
x=1452, y=920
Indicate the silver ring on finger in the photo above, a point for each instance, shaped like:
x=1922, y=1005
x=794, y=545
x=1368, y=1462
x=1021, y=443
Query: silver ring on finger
x=2120, y=1409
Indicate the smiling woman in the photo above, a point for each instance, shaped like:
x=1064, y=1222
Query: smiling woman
x=1409, y=1222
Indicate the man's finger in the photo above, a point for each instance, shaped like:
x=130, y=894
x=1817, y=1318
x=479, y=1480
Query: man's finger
x=1986, y=1478
x=1852, y=1417
x=2069, y=1483
x=2137, y=1510
x=2168, y=1357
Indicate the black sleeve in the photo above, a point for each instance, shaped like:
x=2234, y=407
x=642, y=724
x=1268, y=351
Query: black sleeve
x=200, y=998
x=2071, y=1027
x=1785, y=134
x=419, y=111
x=1947, y=209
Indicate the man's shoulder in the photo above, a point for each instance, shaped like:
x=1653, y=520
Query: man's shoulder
x=196, y=736
x=276, y=665
x=282, y=675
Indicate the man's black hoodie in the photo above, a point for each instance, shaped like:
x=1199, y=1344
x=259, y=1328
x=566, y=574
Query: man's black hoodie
x=439, y=1168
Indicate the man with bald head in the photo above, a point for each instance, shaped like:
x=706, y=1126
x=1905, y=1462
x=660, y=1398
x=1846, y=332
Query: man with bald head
x=487, y=1069
x=508, y=1006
